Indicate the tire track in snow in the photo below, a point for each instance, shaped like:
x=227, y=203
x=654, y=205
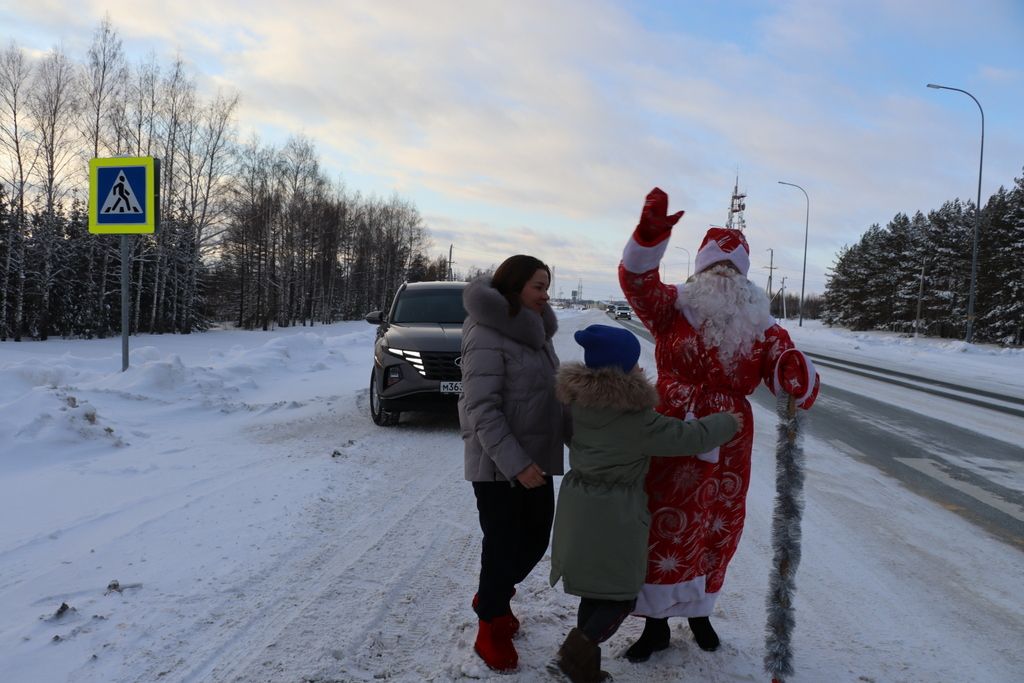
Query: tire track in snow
x=399, y=622
x=298, y=629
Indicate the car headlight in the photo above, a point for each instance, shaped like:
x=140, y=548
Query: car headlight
x=412, y=357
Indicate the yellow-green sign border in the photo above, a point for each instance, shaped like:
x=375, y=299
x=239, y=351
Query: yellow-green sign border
x=147, y=227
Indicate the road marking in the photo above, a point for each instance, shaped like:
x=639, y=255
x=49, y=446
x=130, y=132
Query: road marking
x=932, y=469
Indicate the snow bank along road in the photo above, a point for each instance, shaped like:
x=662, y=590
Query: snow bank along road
x=998, y=402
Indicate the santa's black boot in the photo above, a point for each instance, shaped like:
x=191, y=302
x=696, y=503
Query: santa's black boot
x=705, y=636
x=655, y=637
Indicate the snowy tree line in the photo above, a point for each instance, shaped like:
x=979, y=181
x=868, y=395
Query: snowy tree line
x=923, y=263
x=248, y=232
x=791, y=309
x=296, y=249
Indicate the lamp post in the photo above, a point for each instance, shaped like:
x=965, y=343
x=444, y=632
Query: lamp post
x=807, y=220
x=977, y=215
x=920, y=295
x=687, y=260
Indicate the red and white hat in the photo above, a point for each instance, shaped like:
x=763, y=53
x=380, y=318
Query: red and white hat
x=723, y=244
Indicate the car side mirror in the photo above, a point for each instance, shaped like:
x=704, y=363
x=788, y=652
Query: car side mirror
x=375, y=317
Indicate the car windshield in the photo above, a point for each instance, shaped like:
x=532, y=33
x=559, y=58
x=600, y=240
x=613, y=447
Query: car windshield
x=429, y=306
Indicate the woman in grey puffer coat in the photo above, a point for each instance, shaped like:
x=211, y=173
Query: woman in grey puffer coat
x=513, y=429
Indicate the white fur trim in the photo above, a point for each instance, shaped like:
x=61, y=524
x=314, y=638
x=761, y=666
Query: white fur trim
x=712, y=253
x=686, y=309
x=639, y=259
x=686, y=599
x=811, y=372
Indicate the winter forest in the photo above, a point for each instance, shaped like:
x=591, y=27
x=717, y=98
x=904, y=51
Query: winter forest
x=249, y=233
x=919, y=268
x=260, y=236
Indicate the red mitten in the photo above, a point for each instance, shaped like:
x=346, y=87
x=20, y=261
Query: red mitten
x=794, y=373
x=655, y=223
x=809, y=401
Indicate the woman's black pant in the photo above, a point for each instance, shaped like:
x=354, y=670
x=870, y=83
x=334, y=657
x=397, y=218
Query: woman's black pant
x=600, y=619
x=516, y=522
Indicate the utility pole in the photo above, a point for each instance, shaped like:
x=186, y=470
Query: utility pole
x=771, y=267
x=450, y=272
x=783, y=291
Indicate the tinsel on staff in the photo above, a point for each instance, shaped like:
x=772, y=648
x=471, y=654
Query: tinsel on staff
x=789, y=485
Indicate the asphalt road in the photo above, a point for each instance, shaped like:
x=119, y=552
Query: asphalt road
x=927, y=455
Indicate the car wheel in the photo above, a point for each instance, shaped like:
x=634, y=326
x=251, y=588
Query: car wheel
x=380, y=416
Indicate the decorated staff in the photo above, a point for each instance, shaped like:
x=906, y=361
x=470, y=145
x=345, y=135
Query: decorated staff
x=789, y=505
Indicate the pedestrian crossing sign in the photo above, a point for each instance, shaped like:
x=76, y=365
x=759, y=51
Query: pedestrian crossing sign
x=124, y=195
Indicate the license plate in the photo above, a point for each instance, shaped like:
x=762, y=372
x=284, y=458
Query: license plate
x=451, y=387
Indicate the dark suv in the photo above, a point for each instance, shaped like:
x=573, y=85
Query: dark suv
x=418, y=351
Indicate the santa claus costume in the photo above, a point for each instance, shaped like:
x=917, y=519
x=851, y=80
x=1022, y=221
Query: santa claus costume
x=715, y=342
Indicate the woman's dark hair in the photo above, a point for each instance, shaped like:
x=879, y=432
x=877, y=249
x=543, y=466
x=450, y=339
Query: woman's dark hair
x=512, y=275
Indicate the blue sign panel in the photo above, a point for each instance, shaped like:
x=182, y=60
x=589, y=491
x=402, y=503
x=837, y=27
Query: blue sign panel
x=124, y=195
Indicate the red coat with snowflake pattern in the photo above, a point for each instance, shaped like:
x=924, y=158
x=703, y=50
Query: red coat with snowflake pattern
x=697, y=508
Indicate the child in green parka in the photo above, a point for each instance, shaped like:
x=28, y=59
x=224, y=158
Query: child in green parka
x=599, y=549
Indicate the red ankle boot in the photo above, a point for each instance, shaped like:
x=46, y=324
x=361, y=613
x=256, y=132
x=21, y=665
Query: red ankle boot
x=513, y=623
x=494, y=644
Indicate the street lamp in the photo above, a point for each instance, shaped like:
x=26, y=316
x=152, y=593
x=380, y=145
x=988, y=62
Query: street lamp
x=687, y=261
x=807, y=220
x=977, y=215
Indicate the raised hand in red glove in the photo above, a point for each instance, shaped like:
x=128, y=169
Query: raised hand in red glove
x=655, y=223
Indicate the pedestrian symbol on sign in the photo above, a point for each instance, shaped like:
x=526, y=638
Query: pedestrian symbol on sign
x=124, y=196
x=121, y=198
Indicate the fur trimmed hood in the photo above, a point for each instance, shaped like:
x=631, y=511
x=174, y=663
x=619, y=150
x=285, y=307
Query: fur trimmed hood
x=605, y=388
x=487, y=305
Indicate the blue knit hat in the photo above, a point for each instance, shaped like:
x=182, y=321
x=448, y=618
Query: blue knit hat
x=606, y=346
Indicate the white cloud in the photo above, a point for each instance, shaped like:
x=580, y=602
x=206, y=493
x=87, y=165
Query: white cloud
x=1002, y=76
x=531, y=125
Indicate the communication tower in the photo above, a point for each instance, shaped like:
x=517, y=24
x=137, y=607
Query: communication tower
x=736, y=208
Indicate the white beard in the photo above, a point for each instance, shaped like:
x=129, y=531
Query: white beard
x=729, y=312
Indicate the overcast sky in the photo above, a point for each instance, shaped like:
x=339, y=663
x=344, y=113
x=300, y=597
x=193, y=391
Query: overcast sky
x=538, y=127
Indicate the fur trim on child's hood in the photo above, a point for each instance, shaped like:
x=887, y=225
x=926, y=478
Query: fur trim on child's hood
x=606, y=388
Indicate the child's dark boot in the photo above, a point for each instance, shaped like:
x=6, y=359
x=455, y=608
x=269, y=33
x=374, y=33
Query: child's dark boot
x=579, y=658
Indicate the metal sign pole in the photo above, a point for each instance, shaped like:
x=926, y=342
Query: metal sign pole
x=124, y=302
x=124, y=199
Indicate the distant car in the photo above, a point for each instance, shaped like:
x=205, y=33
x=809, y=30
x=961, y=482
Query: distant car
x=417, y=355
x=623, y=312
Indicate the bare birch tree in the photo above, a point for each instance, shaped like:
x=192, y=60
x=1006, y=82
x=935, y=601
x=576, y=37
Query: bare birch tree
x=103, y=89
x=17, y=142
x=53, y=105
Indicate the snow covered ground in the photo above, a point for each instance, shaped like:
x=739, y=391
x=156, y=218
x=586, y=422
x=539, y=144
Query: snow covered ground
x=226, y=511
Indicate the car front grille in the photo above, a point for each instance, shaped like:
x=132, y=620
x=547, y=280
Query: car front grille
x=441, y=366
